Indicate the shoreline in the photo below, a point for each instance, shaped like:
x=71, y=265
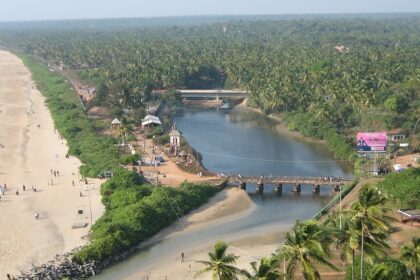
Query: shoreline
x=32, y=149
x=281, y=127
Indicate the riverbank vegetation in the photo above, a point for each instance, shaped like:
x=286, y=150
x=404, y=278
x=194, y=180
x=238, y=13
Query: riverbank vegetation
x=330, y=76
x=357, y=237
x=96, y=153
x=136, y=211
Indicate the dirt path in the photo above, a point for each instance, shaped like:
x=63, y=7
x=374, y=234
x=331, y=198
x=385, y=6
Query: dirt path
x=168, y=172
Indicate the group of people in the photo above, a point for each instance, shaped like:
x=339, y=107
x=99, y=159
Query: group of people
x=4, y=187
x=56, y=173
x=183, y=259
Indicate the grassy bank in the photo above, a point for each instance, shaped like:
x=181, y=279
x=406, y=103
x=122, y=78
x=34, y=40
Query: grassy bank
x=135, y=212
x=96, y=153
x=344, y=192
x=403, y=188
x=310, y=127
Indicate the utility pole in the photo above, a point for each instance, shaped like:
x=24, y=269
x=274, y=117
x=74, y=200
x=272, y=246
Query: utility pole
x=90, y=204
x=340, y=206
x=196, y=152
x=157, y=180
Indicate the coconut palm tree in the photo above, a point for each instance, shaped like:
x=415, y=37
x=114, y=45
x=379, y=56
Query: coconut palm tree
x=266, y=269
x=342, y=233
x=368, y=217
x=410, y=255
x=221, y=263
x=306, y=244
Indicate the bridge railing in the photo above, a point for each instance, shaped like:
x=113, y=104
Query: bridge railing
x=328, y=179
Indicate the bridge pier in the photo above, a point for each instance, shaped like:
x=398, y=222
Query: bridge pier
x=335, y=188
x=315, y=188
x=260, y=187
x=297, y=188
x=279, y=188
x=242, y=185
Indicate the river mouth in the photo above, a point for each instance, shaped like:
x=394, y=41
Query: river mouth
x=236, y=142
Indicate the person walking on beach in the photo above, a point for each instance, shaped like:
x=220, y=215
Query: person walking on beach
x=58, y=173
x=182, y=257
x=17, y=191
x=55, y=173
x=23, y=187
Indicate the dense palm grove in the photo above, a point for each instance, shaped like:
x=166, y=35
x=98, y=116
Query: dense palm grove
x=289, y=65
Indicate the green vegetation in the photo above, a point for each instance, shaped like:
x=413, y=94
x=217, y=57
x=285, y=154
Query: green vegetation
x=135, y=212
x=309, y=126
x=221, y=263
x=403, y=188
x=290, y=67
x=410, y=255
x=387, y=269
x=308, y=242
x=96, y=153
x=130, y=159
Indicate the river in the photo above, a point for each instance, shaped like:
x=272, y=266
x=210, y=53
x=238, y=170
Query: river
x=239, y=141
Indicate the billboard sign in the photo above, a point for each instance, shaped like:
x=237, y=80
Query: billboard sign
x=371, y=141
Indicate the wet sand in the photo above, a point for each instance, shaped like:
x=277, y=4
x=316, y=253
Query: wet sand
x=29, y=154
x=226, y=206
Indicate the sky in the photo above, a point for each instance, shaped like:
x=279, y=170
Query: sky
x=24, y=10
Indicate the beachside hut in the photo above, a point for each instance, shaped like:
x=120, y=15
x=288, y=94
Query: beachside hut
x=150, y=120
x=412, y=215
x=115, y=124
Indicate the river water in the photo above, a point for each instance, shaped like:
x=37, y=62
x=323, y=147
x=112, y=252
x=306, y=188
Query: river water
x=242, y=142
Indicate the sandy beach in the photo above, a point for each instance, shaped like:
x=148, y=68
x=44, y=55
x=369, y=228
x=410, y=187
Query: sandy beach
x=32, y=148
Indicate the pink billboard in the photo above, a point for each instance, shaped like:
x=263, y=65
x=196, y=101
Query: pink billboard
x=371, y=141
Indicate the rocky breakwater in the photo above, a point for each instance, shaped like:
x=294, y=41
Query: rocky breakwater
x=63, y=266
x=60, y=267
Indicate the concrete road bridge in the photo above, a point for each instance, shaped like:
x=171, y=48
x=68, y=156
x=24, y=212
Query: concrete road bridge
x=209, y=93
x=335, y=183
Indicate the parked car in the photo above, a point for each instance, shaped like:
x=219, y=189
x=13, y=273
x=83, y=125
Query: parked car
x=159, y=158
x=105, y=175
x=149, y=162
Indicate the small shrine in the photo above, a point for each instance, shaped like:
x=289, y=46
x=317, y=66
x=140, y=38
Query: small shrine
x=174, y=140
x=115, y=124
